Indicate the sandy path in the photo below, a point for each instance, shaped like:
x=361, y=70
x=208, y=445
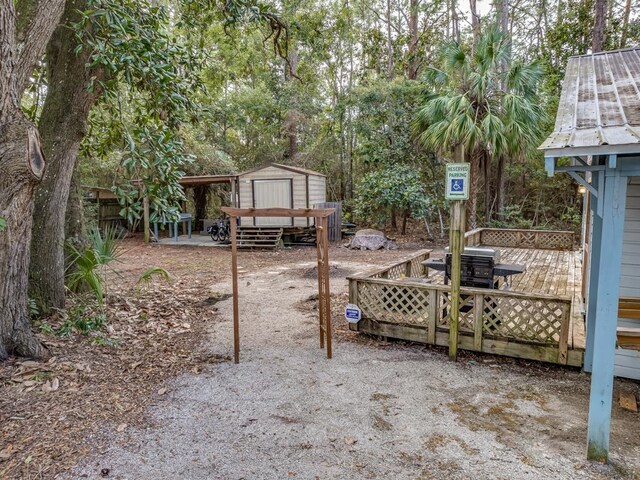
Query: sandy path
x=391, y=413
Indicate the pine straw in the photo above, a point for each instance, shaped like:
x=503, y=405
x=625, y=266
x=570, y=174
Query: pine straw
x=56, y=411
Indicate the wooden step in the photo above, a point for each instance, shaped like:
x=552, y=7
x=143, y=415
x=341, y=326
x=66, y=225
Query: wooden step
x=259, y=237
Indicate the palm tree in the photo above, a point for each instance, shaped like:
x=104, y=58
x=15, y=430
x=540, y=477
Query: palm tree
x=493, y=110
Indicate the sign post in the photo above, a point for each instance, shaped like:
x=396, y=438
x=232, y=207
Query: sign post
x=457, y=191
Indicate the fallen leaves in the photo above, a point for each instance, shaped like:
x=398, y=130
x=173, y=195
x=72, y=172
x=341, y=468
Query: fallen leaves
x=100, y=388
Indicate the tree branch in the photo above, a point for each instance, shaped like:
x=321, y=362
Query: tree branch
x=37, y=20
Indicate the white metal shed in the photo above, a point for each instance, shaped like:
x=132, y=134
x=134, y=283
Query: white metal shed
x=282, y=186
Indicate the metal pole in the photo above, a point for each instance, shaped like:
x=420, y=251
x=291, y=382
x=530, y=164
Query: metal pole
x=234, y=281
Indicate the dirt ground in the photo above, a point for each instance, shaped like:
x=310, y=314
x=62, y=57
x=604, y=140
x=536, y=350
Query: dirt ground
x=157, y=396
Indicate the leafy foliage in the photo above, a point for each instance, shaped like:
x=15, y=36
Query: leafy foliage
x=3, y=224
x=147, y=276
x=148, y=78
x=88, y=267
x=397, y=186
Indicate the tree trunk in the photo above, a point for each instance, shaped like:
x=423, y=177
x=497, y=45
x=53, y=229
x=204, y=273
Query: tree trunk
x=394, y=222
x=63, y=125
x=25, y=28
x=201, y=195
x=292, y=114
x=389, y=43
x=405, y=217
x=599, y=22
x=75, y=225
x=625, y=24
x=20, y=171
x=472, y=204
x=475, y=22
x=455, y=25
x=486, y=169
x=500, y=194
x=413, y=39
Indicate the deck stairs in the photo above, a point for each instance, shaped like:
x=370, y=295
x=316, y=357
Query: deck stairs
x=259, y=237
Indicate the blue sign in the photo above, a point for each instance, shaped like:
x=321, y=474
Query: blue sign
x=457, y=184
x=352, y=313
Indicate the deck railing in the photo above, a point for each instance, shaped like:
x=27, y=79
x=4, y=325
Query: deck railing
x=518, y=238
x=399, y=301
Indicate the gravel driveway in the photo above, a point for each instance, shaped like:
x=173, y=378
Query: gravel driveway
x=376, y=410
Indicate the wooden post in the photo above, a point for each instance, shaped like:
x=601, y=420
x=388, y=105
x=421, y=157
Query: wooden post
x=319, y=238
x=604, y=332
x=595, y=248
x=327, y=286
x=233, y=193
x=234, y=277
x=456, y=244
x=147, y=226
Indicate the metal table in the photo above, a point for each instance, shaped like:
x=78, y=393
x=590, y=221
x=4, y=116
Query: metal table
x=173, y=226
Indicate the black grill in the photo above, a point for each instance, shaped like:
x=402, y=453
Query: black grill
x=476, y=271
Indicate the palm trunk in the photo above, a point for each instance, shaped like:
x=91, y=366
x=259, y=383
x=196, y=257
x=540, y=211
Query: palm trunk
x=486, y=168
x=500, y=194
x=472, y=204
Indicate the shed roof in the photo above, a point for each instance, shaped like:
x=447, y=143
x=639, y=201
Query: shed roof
x=599, y=110
x=303, y=171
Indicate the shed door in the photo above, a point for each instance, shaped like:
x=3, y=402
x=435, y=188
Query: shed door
x=272, y=194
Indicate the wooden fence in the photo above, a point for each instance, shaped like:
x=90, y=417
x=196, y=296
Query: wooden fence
x=398, y=301
x=335, y=220
x=517, y=238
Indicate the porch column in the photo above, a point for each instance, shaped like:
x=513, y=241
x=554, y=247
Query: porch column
x=594, y=265
x=606, y=288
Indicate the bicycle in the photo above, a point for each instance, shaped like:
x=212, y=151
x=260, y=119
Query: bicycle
x=219, y=231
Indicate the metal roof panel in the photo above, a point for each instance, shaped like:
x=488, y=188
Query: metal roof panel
x=600, y=104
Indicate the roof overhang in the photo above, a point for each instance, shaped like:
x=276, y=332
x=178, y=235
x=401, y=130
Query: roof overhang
x=599, y=109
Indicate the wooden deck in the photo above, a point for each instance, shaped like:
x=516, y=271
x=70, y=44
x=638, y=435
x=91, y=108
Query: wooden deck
x=549, y=272
x=537, y=316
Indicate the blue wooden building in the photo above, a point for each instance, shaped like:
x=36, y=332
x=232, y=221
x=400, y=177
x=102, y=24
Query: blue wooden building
x=596, y=141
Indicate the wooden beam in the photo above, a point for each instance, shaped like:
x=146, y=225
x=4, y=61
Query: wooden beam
x=604, y=333
x=456, y=244
x=234, y=281
x=278, y=212
x=595, y=248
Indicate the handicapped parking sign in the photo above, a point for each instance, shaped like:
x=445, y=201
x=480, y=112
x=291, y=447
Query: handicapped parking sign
x=352, y=313
x=457, y=185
